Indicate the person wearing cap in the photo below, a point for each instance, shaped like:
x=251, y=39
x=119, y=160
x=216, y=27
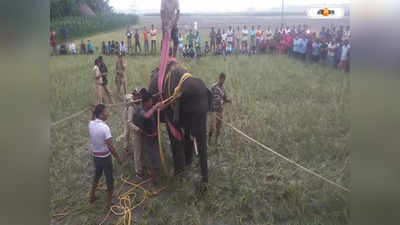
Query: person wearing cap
x=120, y=79
x=134, y=135
x=102, y=148
x=148, y=124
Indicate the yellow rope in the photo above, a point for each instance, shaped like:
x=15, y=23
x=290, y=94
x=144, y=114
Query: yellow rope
x=170, y=100
x=177, y=90
x=287, y=159
x=77, y=114
x=126, y=203
x=164, y=165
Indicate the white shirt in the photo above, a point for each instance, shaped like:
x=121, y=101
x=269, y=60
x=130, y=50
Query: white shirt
x=332, y=49
x=244, y=34
x=345, y=50
x=224, y=36
x=99, y=132
x=122, y=48
x=72, y=48
x=195, y=25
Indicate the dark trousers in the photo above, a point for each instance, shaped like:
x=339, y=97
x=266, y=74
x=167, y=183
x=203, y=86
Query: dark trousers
x=212, y=46
x=153, y=47
x=146, y=47
x=137, y=44
x=104, y=164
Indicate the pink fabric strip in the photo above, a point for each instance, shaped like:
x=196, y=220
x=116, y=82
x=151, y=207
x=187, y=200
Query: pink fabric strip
x=163, y=60
x=174, y=131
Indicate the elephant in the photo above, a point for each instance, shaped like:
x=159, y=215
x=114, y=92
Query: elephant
x=188, y=115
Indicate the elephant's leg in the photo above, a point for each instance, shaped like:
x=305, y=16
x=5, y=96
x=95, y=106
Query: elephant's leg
x=178, y=153
x=188, y=148
x=201, y=140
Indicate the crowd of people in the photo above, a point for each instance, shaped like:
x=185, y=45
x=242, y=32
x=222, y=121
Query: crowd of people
x=329, y=45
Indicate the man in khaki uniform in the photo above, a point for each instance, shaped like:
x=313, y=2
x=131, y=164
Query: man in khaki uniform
x=120, y=79
x=133, y=134
x=98, y=83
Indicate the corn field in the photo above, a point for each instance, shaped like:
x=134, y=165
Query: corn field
x=83, y=26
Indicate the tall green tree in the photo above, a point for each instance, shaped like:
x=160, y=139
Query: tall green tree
x=64, y=8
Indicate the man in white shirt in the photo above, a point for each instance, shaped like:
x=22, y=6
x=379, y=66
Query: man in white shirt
x=332, y=49
x=345, y=57
x=102, y=148
x=72, y=48
x=153, y=34
x=245, y=33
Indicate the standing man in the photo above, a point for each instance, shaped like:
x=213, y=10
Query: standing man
x=104, y=72
x=102, y=148
x=90, y=48
x=212, y=37
x=98, y=83
x=252, y=40
x=122, y=48
x=120, y=79
x=146, y=41
x=219, y=98
x=63, y=32
x=134, y=135
x=258, y=37
x=153, y=34
x=237, y=40
x=245, y=33
x=332, y=49
x=53, y=42
x=195, y=26
x=230, y=39
x=129, y=39
x=345, y=57
x=218, y=39
x=137, y=42
x=190, y=38
x=147, y=122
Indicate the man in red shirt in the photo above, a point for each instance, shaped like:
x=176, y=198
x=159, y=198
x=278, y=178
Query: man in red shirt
x=258, y=37
x=146, y=41
x=53, y=42
x=289, y=43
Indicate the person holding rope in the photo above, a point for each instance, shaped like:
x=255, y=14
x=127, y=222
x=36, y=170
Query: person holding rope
x=133, y=134
x=102, y=148
x=144, y=118
x=219, y=98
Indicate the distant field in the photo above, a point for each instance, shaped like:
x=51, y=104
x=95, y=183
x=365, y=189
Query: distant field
x=301, y=110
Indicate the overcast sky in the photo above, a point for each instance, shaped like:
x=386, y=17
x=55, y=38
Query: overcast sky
x=216, y=5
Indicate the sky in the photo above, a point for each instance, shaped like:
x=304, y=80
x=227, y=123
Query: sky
x=188, y=6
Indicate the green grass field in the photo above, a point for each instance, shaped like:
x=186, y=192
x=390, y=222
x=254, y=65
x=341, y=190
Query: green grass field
x=300, y=110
